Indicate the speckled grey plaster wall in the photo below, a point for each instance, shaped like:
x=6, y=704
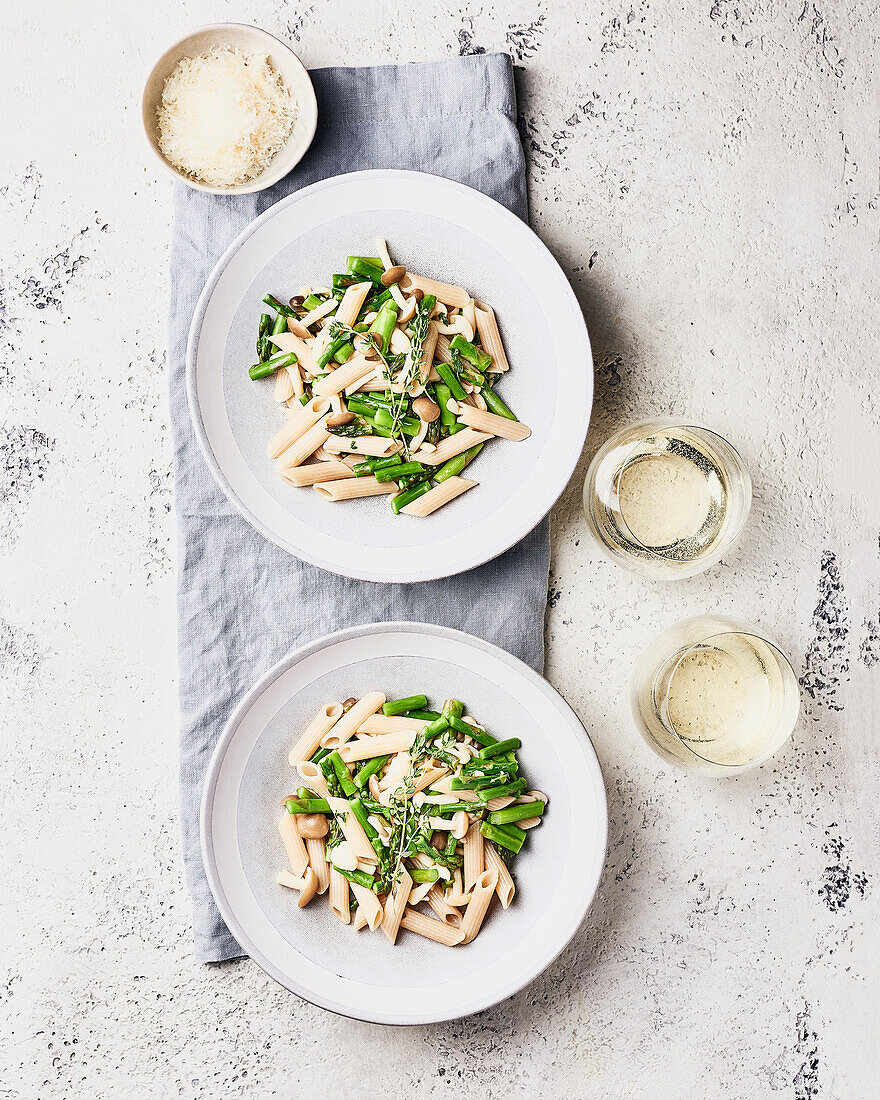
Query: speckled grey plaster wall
x=707, y=173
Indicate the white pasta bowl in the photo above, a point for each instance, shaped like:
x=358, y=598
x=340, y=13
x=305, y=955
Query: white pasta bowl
x=360, y=974
x=440, y=229
x=250, y=40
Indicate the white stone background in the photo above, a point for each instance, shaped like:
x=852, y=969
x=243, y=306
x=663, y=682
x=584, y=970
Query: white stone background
x=707, y=173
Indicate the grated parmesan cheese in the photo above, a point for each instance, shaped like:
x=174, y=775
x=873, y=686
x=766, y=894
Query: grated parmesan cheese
x=224, y=116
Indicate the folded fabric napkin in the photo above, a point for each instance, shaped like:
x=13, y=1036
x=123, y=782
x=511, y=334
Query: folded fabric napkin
x=242, y=602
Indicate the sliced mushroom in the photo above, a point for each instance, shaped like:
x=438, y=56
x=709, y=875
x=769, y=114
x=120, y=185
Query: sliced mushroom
x=393, y=275
x=348, y=704
x=460, y=824
x=311, y=826
x=311, y=888
x=298, y=328
x=425, y=409
x=338, y=420
x=418, y=294
x=343, y=857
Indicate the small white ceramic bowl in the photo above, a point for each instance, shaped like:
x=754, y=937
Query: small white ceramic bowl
x=284, y=61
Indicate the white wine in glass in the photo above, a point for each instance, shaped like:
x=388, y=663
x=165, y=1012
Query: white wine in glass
x=713, y=697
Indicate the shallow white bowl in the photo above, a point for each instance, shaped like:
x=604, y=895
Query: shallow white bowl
x=442, y=229
x=360, y=974
x=252, y=40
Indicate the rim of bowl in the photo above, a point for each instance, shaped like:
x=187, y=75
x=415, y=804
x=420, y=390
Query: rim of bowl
x=303, y=129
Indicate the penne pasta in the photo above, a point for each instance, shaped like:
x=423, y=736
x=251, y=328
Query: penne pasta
x=473, y=917
x=352, y=300
x=306, y=446
x=353, y=718
x=381, y=723
x=350, y=488
x=305, y=416
x=381, y=744
x=473, y=856
x=339, y=896
x=442, y=351
x=417, y=894
x=359, y=921
x=284, y=384
x=446, y=293
x=441, y=494
x=322, y=310
x=395, y=904
x=455, y=445
x=490, y=338
x=313, y=777
x=437, y=900
x=350, y=374
x=504, y=886
x=288, y=341
x=317, y=851
x=368, y=904
x=316, y=472
x=321, y=724
x=492, y=423
x=293, y=845
x=414, y=921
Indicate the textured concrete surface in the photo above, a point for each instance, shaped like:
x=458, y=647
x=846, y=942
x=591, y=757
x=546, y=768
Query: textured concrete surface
x=707, y=172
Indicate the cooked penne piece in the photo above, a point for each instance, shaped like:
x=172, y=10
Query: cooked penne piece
x=446, y=912
x=288, y=341
x=353, y=718
x=339, y=898
x=455, y=445
x=473, y=856
x=306, y=445
x=315, y=473
x=305, y=417
x=427, y=355
x=442, y=351
x=417, y=894
x=414, y=921
x=355, y=371
x=293, y=845
x=359, y=921
x=490, y=338
x=284, y=384
x=492, y=423
x=317, y=850
x=504, y=886
x=322, y=310
x=322, y=723
x=446, y=293
x=368, y=903
x=441, y=494
x=353, y=487
x=395, y=904
x=313, y=778
x=352, y=300
x=365, y=748
x=381, y=723
x=475, y=913
x=499, y=803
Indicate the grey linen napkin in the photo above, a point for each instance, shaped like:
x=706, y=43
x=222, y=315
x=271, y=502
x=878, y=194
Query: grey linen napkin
x=242, y=602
